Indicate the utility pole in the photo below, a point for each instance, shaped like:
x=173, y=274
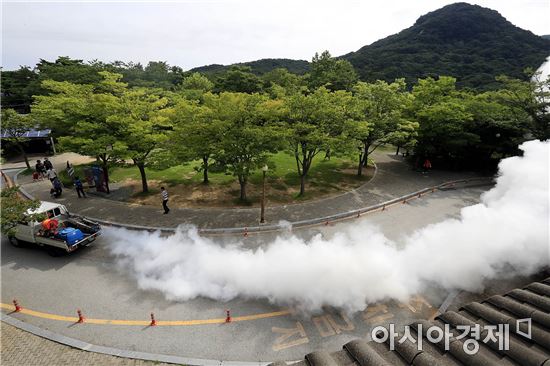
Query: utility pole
x=262, y=212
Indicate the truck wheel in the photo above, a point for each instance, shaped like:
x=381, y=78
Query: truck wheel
x=15, y=242
x=55, y=252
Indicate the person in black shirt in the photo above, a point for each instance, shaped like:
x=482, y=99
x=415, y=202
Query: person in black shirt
x=48, y=164
x=40, y=168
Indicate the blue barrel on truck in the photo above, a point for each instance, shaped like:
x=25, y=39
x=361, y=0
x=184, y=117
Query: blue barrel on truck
x=70, y=235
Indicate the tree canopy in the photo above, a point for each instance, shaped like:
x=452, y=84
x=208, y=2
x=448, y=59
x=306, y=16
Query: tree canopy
x=16, y=125
x=334, y=74
x=159, y=115
x=15, y=210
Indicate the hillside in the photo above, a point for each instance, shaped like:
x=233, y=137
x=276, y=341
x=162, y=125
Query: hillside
x=260, y=67
x=470, y=42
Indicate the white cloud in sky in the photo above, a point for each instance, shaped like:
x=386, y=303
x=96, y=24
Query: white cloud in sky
x=195, y=33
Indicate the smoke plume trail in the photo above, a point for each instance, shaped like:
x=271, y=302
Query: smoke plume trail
x=507, y=233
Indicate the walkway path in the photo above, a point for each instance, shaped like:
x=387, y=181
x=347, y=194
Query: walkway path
x=21, y=348
x=393, y=178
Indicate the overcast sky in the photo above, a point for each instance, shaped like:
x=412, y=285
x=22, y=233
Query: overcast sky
x=196, y=33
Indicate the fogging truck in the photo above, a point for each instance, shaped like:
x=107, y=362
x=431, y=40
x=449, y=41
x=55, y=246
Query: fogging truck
x=59, y=231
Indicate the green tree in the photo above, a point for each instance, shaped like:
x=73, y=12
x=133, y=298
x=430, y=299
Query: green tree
x=445, y=131
x=446, y=125
x=331, y=73
x=81, y=115
x=142, y=127
x=132, y=72
x=382, y=121
x=500, y=127
x=238, y=79
x=531, y=97
x=314, y=123
x=15, y=209
x=249, y=137
x=107, y=120
x=15, y=126
x=195, y=85
x=156, y=74
x=405, y=135
x=18, y=87
x=70, y=70
x=198, y=131
x=280, y=82
x=161, y=75
x=197, y=81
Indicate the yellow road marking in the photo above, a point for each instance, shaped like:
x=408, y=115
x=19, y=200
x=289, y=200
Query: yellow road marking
x=72, y=319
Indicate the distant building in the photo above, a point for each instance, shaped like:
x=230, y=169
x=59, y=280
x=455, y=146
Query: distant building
x=39, y=141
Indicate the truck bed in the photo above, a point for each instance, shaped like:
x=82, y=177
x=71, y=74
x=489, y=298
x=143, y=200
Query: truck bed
x=60, y=243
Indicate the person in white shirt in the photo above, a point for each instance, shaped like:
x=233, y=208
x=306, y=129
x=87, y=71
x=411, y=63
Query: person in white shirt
x=52, y=174
x=164, y=194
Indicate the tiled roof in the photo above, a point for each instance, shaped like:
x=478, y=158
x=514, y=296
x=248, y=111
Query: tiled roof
x=533, y=301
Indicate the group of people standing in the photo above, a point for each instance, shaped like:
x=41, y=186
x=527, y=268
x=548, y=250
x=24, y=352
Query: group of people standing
x=46, y=170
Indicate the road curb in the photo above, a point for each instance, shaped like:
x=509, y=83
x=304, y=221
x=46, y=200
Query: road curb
x=478, y=181
x=85, y=346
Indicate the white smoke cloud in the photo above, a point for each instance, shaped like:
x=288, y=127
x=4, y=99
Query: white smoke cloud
x=507, y=233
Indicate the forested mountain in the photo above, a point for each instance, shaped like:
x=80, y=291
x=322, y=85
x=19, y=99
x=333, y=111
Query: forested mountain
x=472, y=43
x=260, y=67
x=468, y=42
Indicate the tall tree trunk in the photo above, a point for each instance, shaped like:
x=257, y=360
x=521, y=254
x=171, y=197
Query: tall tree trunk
x=205, y=169
x=397, y=151
x=24, y=155
x=302, y=185
x=106, y=175
x=366, y=155
x=363, y=159
x=141, y=167
x=105, y=169
x=242, y=182
x=305, y=169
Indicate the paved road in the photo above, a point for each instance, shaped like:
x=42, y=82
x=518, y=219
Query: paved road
x=393, y=179
x=91, y=280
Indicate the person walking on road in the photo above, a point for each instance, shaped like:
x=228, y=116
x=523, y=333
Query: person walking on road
x=79, y=187
x=164, y=194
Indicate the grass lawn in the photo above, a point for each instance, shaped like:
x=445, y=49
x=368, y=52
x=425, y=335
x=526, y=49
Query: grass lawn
x=184, y=182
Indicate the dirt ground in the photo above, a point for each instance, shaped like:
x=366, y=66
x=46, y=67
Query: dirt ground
x=227, y=195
